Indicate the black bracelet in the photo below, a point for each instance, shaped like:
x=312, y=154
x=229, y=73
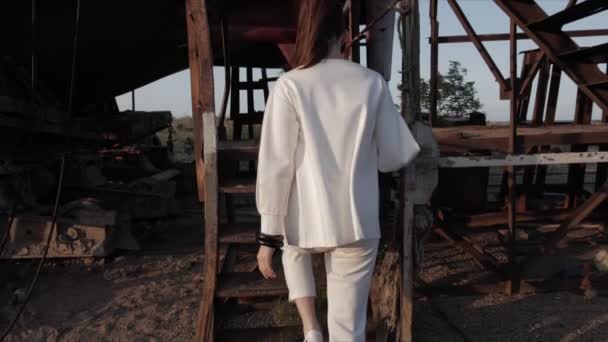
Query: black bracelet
x=274, y=241
x=270, y=243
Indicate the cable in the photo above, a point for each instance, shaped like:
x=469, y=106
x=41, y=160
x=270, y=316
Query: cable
x=44, y=255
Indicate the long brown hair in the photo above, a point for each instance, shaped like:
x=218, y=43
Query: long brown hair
x=319, y=21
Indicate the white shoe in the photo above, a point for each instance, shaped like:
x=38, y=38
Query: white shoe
x=313, y=336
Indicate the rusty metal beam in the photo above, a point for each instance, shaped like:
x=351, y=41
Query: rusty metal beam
x=493, y=37
x=601, y=174
x=541, y=92
x=478, y=44
x=576, y=173
x=556, y=75
x=513, y=282
x=556, y=43
x=528, y=73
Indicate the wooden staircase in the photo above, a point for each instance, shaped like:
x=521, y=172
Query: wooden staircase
x=580, y=63
x=226, y=165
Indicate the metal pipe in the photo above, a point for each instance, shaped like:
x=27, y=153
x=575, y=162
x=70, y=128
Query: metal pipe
x=434, y=90
x=513, y=281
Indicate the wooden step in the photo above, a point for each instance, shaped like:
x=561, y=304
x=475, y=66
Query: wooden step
x=237, y=186
x=235, y=150
x=248, y=118
x=239, y=233
x=594, y=54
x=274, y=334
x=579, y=11
x=250, y=285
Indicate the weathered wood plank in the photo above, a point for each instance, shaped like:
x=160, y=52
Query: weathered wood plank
x=496, y=137
x=205, y=134
x=410, y=110
x=525, y=159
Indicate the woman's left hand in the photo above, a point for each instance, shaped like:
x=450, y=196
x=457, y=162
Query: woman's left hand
x=265, y=262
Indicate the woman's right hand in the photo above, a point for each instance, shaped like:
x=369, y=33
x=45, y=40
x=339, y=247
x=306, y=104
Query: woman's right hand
x=265, y=262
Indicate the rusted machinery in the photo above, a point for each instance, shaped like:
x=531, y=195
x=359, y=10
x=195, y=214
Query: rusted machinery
x=54, y=105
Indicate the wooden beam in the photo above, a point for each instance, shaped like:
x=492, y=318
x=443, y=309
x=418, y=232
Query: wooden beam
x=196, y=86
x=565, y=158
x=203, y=113
x=496, y=138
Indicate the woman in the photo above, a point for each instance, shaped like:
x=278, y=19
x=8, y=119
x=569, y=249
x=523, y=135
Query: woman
x=329, y=126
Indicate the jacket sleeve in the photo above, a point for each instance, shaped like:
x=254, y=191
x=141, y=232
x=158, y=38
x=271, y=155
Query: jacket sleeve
x=396, y=145
x=276, y=165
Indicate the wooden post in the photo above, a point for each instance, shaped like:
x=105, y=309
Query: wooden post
x=434, y=90
x=410, y=109
x=205, y=139
x=576, y=173
x=602, y=169
x=513, y=281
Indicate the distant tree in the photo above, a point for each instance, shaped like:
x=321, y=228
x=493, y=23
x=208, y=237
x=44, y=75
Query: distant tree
x=456, y=97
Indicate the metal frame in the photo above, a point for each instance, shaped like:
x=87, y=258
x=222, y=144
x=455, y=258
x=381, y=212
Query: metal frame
x=557, y=52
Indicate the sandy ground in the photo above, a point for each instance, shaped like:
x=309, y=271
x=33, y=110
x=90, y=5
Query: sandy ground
x=154, y=297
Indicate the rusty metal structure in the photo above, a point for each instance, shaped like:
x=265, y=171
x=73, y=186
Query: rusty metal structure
x=65, y=65
x=526, y=139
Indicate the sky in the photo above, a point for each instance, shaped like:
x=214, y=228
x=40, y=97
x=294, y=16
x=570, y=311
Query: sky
x=173, y=92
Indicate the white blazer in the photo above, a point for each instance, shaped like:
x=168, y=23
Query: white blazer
x=327, y=130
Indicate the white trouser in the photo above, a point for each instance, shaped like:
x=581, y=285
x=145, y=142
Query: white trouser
x=349, y=272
